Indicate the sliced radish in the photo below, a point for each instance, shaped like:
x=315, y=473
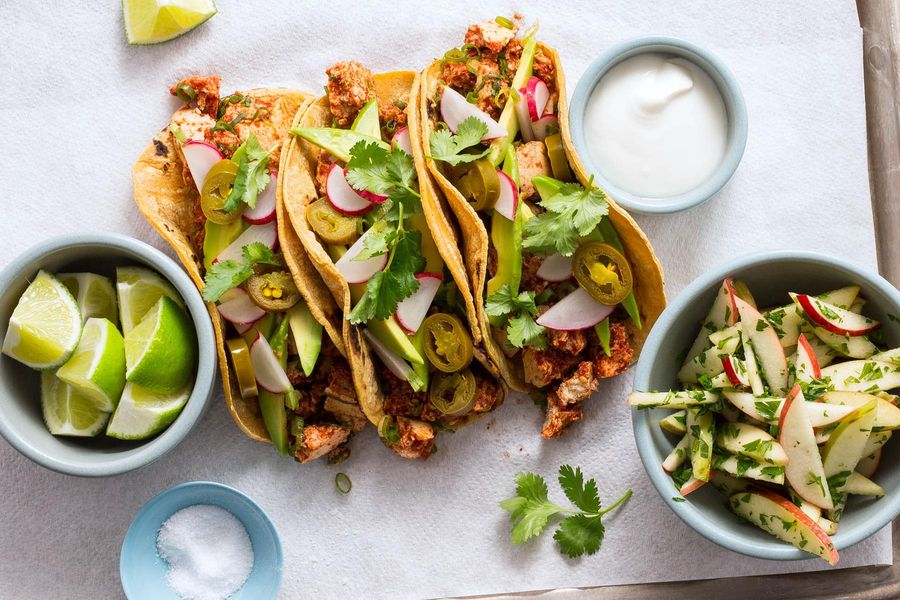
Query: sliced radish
x=537, y=94
x=266, y=234
x=236, y=306
x=542, y=125
x=508, y=202
x=393, y=362
x=402, y=140
x=578, y=310
x=555, y=267
x=269, y=374
x=342, y=197
x=243, y=328
x=200, y=157
x=264, y=211
x=834, y=318
x=359, y=271
x=455, y=109
x=412, y=310
x=523, y=118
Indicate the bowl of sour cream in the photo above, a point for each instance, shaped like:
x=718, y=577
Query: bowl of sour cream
x=660, y=123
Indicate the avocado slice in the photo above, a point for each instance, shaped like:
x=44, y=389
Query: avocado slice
x=218, y=237
x=307, y=334
x=434, y=263
x=388, y=331
x=274, y=416
x=508, y=119
x=338, y=142
x=366, y=121
x=265, y=326
x=420, y=369
x=506, y=236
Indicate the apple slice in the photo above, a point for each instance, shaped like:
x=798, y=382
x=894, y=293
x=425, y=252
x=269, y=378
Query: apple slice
x=674, y=423
x=728, y=484
x=811, y=510
x=411, y=311
x=455, y=109
x=747, y=468
x=860, y=485
x=767, y=409
x=555, y=268
x=722, y=314
x=824, y=354
x=889, y=356
x=845, y=448
x=752, y=442
x=266, y=234
x=806, y=367
x=753, y=374
x=876, y=441
x=766, y=346
x=887, y=415
x=676, y=400
x=851, y=346
x=342, y=197
x=402, y=140
x=701, y=431
x=804, y=470
x=237, y=307
x=522, y=116
x=508, y=201
x=360, y=271
x=834, y=318
x=264, y=211
x=829, y=527
x=268, y=371
x=677, y=456
x=863, y=376
x=200, y=158
x=707, y=362
x=869, y=464
x=576, y=311
x=783, y=519
x=691, y=485
x=736, y=371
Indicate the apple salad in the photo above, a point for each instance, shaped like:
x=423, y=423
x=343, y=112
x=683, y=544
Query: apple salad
x=783, y=410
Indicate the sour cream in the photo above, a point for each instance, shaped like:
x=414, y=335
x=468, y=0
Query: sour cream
x=656, y=125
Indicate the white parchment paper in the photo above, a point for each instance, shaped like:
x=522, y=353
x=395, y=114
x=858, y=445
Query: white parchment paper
x=79, y=106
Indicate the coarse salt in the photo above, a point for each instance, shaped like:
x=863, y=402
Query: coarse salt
x=208, y=550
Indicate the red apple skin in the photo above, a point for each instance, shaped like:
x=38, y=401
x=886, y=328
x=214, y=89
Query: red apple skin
x=730, y=372
x=692, y=486
x=809, y=308
x=784, y=408
x=831, y=554
x=728, y=283
x=817, y=372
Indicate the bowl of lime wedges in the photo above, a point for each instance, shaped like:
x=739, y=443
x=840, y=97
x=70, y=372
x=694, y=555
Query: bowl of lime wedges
x=108, y=354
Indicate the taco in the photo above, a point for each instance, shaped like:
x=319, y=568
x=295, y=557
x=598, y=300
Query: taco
x=394, y=269
x=566, y=284
x=209, y=184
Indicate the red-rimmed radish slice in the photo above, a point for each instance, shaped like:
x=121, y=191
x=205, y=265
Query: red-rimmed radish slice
x=269, y=374
x=542, y=125
x=236, y=306
x=243, y=328
x=537, y=94
x=834, y=318
x=412, y=310
x=200, y=157
x=393, y=362
x=455, y=109
x=401, y=140
x=359, y=271
x=578, y=310
x=523, y=118
x=555, y=267
x=341, y=196
x=508, y=202
x=264, y=211
x=266, y=234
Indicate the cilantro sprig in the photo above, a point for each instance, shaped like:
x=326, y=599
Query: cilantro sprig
x=252, y=177
x=570, y=214
x=581, y=532
x=520, y=310
x=227, y=274
x=449, y=147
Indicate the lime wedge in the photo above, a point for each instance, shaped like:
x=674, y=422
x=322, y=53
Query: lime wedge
x=161, y=352
x=45, y=326
x=157, y=21
x=97, y=368
x=139, y=289
x=141, y=413
x=95, y=295
x=66, y=412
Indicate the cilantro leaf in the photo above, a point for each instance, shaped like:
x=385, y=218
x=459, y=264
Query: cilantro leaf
x=227, y=274
x=522, y=330
x=571, y=213
x=397, y=281
x=252, y=177
x=581, y=494
x=257, y=252
x=448, y=147
x=579, y=534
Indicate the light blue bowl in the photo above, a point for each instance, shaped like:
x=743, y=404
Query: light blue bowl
x=770, y=277
x=21, y=422
x=734, y=106
x=143, y=572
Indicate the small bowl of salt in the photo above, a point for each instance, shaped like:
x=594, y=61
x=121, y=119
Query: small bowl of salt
x=201, y=541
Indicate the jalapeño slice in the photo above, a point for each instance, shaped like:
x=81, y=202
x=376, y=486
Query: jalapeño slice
x=273, y=291
x=329, y=224
x=243, y=367
x=603, y=272
x=216, y=189
x=559, y=164
x=448, y=345
x=479, y=183
x=453, y=394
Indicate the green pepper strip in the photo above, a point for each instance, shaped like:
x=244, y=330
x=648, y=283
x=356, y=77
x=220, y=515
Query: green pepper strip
x=602, y=329
x=272, y=405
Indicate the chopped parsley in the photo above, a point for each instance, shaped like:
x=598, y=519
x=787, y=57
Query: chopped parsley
x=520, y=311
x=451, y=147
x=570, y=214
